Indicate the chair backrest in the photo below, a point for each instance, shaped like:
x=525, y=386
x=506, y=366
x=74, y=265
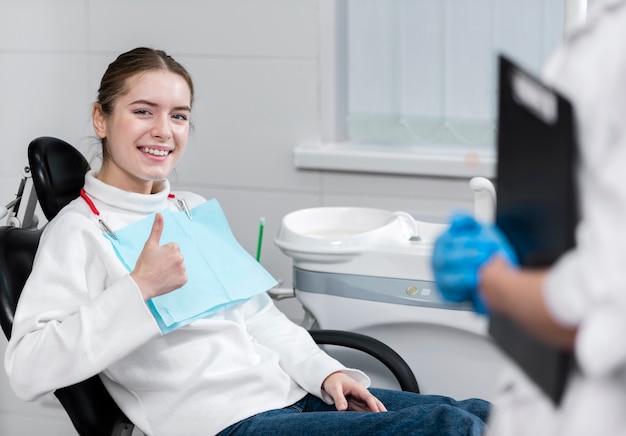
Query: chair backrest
x=17, y=250
x=58, y=172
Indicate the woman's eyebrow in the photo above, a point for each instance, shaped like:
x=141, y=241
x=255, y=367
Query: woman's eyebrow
x=183, y=108
x=146, y=102
x=152, y=104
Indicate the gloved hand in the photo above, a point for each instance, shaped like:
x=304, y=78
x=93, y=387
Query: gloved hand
x=460, y=252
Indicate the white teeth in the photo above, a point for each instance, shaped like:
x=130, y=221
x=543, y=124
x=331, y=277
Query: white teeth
x=155, y=152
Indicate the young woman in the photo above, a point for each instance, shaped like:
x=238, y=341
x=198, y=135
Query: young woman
x=239, y=370
x=580, y=302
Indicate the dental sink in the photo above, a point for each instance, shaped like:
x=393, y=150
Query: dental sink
x=356, y=240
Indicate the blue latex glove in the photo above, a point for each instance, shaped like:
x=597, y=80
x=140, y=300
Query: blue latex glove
x=460, y=252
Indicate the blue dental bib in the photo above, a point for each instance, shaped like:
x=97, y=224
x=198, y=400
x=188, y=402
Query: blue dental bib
x=220, y=272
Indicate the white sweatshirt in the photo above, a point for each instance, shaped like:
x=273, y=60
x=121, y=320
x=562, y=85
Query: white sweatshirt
x=81, y=314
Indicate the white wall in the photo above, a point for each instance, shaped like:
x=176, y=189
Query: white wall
x=255, y=66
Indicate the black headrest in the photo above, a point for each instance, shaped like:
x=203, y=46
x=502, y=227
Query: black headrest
x=58, y=170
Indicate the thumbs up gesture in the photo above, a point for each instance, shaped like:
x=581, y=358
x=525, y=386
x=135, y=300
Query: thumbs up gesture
x=160, y=268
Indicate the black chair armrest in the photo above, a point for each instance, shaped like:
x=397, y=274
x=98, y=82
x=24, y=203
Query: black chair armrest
x=375, y=348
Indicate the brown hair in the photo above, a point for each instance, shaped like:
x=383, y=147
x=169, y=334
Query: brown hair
x=138, y=60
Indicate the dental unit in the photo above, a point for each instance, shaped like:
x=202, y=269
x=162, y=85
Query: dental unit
x=368, y=270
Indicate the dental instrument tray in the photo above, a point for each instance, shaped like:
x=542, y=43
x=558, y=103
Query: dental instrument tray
x=537, y=204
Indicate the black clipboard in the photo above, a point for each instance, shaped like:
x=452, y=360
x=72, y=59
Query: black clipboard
x=537, y=207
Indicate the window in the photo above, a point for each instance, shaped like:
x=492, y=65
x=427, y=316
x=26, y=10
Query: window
x=409, y=86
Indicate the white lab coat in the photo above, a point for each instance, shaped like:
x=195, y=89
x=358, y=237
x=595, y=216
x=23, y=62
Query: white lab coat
x=587, y=286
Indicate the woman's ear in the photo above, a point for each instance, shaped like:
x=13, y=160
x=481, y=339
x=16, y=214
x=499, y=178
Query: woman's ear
x=99, y=120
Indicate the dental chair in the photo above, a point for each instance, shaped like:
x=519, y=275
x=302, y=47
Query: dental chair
x=58, y=172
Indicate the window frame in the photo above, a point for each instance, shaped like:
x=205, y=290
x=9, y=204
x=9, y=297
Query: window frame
x=335, y=152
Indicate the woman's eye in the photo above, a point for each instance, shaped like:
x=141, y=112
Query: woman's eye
x=142, y=112
x=180, y=117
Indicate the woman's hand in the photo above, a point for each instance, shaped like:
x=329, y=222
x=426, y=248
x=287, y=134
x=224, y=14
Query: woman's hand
x=348, y=394
x=160, y=268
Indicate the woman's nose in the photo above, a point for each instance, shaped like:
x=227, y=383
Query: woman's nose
x=161, y=128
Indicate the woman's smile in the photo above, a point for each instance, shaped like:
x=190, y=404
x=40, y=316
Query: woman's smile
x=156, y=151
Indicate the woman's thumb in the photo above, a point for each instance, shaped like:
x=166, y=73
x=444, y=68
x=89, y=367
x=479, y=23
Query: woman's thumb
x=154, y=240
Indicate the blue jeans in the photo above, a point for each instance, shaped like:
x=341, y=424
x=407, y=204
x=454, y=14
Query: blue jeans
x=408, y=414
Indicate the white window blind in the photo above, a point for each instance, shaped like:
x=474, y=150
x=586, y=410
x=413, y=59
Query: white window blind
x=409, y=86
x=425, y=71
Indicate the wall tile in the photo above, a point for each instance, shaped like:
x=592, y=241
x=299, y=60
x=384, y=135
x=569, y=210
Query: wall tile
x=395, y=186
x=216, y=27
x=9, y=184
x=43, y=25
x=43, y=94
x=248, y=116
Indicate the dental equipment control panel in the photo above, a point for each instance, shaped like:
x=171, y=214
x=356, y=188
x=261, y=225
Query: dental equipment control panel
x=382, y=289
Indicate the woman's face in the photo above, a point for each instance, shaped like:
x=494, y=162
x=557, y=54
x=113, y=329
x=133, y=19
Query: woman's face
x=147, y=131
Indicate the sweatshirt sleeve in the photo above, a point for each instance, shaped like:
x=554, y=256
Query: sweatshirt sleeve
x=79, y=311
x=300, y=356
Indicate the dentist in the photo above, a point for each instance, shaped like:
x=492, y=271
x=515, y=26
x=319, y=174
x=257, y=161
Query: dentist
x=580, y=302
